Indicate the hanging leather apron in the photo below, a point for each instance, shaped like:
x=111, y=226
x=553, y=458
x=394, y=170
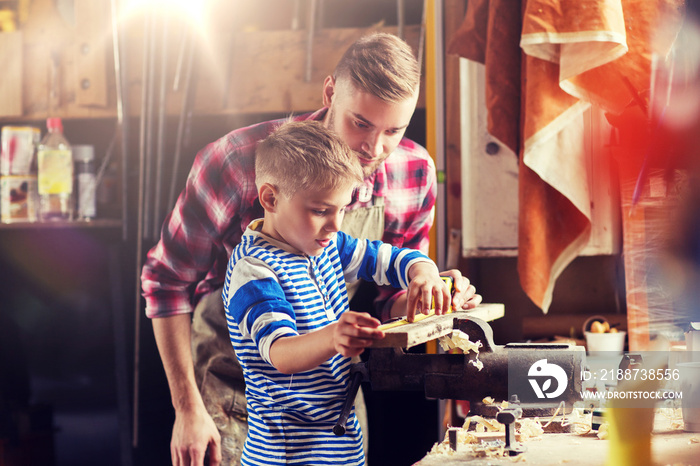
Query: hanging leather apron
x=218, y=374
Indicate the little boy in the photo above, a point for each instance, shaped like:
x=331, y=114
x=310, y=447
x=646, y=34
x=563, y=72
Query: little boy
x=286, y=302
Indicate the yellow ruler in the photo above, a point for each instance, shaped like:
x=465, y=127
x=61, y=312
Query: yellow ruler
x=418, y=317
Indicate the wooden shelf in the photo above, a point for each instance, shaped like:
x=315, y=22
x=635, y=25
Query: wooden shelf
x=91, y=224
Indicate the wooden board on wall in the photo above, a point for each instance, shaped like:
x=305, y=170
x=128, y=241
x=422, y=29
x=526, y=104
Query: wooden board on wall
x=11, y=82
x=454, y=14
x=268, y=69
x=453, y=17
x=266, y=55
x=68, y=69
x=90, y=48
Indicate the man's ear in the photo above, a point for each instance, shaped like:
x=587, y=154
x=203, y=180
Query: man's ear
x=268, y=196
x=328, y=90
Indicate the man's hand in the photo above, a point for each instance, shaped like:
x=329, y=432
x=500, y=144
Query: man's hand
x=194, y=430
x=354, y=332
x=193, y=433
x=425, y=290
x=464, y=296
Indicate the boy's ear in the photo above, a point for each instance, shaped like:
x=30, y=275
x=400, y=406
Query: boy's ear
x=328, y=90
x=268, y=197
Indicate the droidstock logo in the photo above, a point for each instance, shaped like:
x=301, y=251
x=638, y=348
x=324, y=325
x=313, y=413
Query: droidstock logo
x=540, y=376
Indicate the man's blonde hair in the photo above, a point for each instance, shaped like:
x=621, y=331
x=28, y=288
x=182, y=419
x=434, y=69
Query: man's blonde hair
x=300, y=155
x=382, y=65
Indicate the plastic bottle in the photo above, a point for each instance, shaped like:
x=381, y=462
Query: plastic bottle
x=84, y=157
x=55, y=174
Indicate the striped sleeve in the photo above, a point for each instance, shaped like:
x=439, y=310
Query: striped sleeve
x=255, y=303
x=376, y=261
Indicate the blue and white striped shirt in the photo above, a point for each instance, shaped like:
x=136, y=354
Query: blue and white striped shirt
x=272, y=292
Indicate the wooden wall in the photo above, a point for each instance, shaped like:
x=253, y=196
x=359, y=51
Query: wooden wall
x=62, y=64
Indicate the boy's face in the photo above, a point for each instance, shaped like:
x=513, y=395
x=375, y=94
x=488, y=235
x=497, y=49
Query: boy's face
x=370, y=126
x=309, y=219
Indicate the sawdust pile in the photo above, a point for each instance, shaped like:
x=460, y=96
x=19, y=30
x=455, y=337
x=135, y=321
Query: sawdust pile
x=579, y=420
x=673, y=416
x=460, y=340
x=473, y=437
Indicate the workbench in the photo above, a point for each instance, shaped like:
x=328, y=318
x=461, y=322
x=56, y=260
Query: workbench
x=670, y=446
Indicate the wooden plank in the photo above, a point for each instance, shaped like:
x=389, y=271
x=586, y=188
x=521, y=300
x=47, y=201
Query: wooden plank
x=267, y=68
x=429, y=328
x=488, y=311
x=415, y=333
x=267, y=74
x=64, y=78
x=11, y=82
x=279, y=59
x=46, y=39
x=91, y=22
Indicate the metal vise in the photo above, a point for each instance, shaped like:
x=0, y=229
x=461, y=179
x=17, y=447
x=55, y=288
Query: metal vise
x=528, y=370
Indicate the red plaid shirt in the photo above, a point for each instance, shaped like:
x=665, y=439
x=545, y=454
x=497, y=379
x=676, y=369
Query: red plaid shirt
x=220, y=200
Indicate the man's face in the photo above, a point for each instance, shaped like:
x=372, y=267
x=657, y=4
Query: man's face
x=309, y=219
x=370, y=126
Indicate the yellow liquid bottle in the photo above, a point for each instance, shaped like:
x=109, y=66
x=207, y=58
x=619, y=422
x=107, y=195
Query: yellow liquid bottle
x=55, y=174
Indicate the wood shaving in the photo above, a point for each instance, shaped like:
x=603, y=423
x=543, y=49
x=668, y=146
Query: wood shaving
x=603, y=431
x=485, y=450
x=460, y=340
x=441, y=449
x=560, y=406
x=530, y=429
x=674, y=416
x=466, y=441
x=466, y=438
x=488, y=400
x=677, y=424
x=692, y=440
x=477, y=363
x=578, y=420
x=469, y=442
x=483, y=424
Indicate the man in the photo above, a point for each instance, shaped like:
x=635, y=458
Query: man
x=369, y=102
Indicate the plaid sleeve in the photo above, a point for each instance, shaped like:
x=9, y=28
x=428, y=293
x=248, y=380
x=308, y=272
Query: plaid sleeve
x=420, y=215
x=216, y=196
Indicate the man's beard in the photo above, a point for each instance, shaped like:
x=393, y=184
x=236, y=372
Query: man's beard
x=367, y=169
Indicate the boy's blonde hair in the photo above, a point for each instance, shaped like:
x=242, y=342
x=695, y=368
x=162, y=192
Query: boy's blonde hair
x=382, y=65
x=300, y=155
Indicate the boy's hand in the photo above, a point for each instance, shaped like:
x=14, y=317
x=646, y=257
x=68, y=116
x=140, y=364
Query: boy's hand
x=464, y=296
x=426, y=287
x=354, y=332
